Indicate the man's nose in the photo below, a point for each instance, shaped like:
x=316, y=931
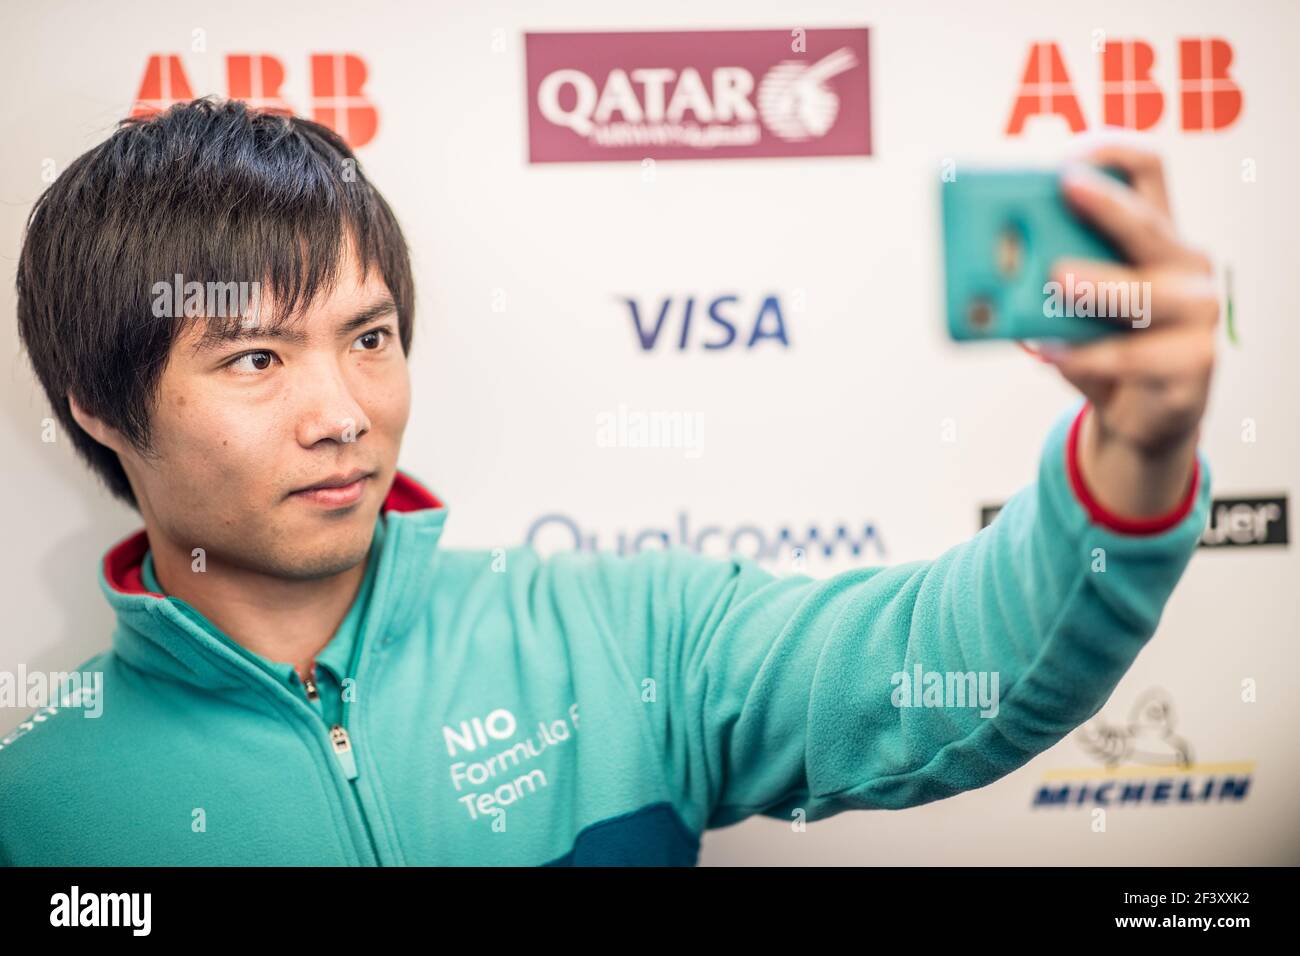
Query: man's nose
x=328, y=406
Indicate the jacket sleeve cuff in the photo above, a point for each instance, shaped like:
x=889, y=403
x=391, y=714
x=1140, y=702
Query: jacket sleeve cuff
x=1110, y=520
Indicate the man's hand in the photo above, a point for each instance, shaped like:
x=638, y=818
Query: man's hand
x=1147, y=387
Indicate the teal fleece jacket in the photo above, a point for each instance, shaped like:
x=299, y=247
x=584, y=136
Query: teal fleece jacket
x=497, y=707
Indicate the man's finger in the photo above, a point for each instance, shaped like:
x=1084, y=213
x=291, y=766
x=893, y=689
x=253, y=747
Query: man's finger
x=1142, y=165
x=1136, y=225
x=1176, y=352
x=1096, y=388
x=1118, y=293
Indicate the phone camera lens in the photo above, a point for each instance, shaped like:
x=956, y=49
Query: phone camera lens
x=979, y=314
x=1010, y=251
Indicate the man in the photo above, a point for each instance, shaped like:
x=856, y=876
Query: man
x=301, y=675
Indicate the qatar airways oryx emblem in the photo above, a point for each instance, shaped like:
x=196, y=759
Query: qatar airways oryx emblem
x=706, y=94
x=797, y=102
x=495, y=762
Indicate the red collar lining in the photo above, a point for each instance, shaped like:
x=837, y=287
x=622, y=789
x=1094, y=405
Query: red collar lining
x=123, y=565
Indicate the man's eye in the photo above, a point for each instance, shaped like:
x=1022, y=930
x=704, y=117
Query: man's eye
x=374, y=340
x=252, y=362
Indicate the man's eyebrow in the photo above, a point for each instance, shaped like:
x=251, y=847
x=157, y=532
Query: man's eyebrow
x=382, y=306
x=216, y=338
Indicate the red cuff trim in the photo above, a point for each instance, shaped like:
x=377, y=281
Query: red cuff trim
x=1110, y=520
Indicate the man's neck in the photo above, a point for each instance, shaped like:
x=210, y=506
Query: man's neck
x=281, y=619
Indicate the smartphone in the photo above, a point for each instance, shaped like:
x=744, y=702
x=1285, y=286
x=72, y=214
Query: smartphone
x=1002, y=230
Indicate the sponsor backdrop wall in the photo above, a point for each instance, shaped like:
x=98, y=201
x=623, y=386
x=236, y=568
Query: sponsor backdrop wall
x=743, y=235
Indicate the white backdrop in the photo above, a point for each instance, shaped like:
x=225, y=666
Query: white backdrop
x=522, y=343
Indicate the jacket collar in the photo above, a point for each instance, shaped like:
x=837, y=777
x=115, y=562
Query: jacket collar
x=166, y=636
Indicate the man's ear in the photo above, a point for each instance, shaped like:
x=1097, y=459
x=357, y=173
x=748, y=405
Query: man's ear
x=106, y=435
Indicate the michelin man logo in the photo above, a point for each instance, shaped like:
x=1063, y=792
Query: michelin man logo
x=794, y=100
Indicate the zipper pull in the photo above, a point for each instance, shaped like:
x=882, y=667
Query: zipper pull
x=343, y=751
x=309, y=684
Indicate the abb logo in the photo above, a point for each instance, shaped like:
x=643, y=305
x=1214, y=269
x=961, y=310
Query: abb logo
x=1130, y=98
x=336, y=83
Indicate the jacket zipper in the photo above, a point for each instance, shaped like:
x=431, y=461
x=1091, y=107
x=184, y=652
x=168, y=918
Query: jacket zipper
x=341, y=744
x=340, y=741
x=343, y=751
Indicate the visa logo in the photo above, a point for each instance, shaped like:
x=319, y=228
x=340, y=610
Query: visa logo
x=716, y=324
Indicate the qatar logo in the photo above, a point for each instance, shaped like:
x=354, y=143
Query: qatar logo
x=795, y=100
x=719, y=94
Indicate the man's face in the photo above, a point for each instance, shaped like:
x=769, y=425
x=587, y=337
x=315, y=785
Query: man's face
x=240, y=427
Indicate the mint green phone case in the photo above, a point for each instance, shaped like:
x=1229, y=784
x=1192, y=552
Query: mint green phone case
x=1002, y=230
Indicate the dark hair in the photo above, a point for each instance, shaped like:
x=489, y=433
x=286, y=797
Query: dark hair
x=215, y=191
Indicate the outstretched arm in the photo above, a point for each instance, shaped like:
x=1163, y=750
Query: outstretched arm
x=781, y=693
x=777, y=693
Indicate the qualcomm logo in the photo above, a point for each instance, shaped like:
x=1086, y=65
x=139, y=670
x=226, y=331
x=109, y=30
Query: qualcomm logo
x=559, y=532
x=794, y=101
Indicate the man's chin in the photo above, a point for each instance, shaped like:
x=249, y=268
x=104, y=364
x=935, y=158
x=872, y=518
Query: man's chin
x=316, y=565
x=310, y=553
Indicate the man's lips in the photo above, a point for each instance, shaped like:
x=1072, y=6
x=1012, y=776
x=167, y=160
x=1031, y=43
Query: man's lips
x=336, y=491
